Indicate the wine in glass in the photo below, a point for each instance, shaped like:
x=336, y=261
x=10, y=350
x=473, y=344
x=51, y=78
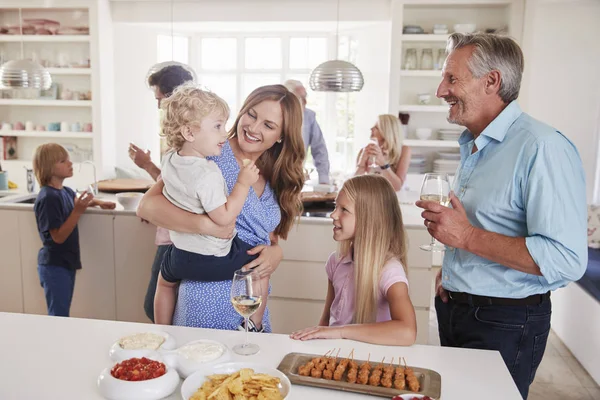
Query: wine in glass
x=246, y=299
x=436, y=187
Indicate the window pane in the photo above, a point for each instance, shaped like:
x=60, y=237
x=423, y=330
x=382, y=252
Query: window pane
x=180, y=45
x=219, y=53
x=223, y=85
x=307, y=53
x=263, y=53
x=253, y=81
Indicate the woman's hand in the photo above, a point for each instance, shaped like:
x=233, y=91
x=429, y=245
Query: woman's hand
x=268, y=260
x=318, y=332
x=363, y=161
x=374, y=150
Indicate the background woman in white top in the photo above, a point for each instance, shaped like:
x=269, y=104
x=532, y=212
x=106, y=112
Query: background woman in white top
x=391, y=157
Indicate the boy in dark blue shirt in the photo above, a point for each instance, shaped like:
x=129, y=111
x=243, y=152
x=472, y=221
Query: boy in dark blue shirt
x=57, y=211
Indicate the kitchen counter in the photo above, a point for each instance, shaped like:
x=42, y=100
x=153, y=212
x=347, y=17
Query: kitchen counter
x=72, y=352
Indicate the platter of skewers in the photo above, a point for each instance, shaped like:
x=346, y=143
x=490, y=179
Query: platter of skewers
x=374, y=377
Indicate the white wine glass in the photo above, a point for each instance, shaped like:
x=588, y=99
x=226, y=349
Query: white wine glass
x=435, y=187
x=246, y=299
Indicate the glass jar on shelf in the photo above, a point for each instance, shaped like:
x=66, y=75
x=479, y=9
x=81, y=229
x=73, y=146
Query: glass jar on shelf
x=410, y=59
x=439, y=61
x=427, y=59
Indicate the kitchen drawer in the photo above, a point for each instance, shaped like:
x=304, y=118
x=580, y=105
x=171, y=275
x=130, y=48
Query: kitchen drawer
x=421, y=286
x=309, y=242
x=300, y=280
x=422, y=325
x=289, y=315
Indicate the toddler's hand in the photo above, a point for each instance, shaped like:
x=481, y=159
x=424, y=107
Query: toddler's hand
x=83, y=202
x=248, y=173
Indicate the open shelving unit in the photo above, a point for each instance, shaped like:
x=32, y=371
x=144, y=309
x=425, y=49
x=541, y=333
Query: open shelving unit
x=406, y=85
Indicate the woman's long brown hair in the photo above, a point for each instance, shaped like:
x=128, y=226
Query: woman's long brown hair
x=281, y=165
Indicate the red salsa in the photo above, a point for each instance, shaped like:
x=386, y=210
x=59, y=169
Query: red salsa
x=138, y=369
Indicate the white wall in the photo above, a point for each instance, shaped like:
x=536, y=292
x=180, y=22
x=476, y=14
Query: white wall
x=374, y=62
x=561, y=85
x=136, y=109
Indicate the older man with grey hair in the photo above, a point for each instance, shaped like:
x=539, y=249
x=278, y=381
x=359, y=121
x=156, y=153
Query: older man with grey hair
x=518, y=223
x=311, y=132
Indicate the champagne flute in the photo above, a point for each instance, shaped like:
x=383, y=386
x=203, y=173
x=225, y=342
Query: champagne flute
x=246, y=299
x=436, y=187
x=373, y=160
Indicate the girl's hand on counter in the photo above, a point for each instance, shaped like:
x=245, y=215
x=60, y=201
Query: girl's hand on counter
x=268, y=260
x=318, y=332
x=107, y=205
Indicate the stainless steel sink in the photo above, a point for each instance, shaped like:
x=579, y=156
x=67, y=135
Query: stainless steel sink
x=20, y=199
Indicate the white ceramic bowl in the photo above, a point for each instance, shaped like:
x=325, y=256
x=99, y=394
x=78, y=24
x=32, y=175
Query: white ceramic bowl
x=423, y=133
x=194, y=381
x=324, y=188
x=464, y=28
x=152, y=389
x=424, y=98
x=118, y=354
x=186, y=367
x=129, y=200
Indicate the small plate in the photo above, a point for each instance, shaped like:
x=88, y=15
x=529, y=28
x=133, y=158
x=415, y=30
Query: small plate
x=118, y=354
x=195, y=381
x=152, y=389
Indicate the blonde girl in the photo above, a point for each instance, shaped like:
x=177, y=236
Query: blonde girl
x=367, y=297
x=391, y=157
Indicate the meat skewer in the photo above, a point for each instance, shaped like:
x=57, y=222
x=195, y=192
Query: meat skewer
x=399, y=381
x=388, y=372
x=353, y=371
x=375, y=378
x=341, y=368
x=365, y=370
x=411, y=379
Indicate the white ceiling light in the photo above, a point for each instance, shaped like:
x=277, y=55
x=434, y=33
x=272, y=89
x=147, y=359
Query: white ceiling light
x=24, y=74
x=336, y=75
x=158, y=66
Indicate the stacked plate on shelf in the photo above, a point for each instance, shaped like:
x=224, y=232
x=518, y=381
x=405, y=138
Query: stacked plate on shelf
x=447, y=162
x=418, y=164
x=449, y=134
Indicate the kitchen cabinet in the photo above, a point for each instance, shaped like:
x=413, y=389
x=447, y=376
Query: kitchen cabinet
x=134, y=253
x=11, y=292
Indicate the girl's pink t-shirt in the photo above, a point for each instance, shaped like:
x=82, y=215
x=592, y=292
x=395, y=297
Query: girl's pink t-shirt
x=341, y=275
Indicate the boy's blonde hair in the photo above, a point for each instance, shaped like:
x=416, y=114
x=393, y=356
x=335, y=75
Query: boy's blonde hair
x=379, y=236
x=44, y=159
x=391, y=130
x=187, y=106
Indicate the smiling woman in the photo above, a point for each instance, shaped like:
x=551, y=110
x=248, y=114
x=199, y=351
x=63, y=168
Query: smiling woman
x=267, y=131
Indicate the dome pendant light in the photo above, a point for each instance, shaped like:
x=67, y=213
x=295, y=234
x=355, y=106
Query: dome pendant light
x=24, y=74
x=336, y=75
x=158, y=66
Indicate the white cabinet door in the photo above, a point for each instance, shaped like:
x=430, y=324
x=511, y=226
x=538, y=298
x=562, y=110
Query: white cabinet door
x=11, y=293
x=94, y=295
x=134, y=254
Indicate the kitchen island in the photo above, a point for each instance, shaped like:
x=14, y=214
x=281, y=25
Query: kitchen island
x=117, y=251
x=61, y=358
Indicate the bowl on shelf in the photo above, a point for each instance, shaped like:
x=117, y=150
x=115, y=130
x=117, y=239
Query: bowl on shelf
x=424, y=133
x=129, y=200
x=424, y=98
x=464, y=28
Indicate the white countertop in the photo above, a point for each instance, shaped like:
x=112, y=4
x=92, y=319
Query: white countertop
x=410, y=213
x=60, y=358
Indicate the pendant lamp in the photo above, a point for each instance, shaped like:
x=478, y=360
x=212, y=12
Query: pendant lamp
x=336, y=75
x=24, y=74
x=158, y=66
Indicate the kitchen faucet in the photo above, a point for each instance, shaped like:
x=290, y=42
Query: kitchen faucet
x=95, y=187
